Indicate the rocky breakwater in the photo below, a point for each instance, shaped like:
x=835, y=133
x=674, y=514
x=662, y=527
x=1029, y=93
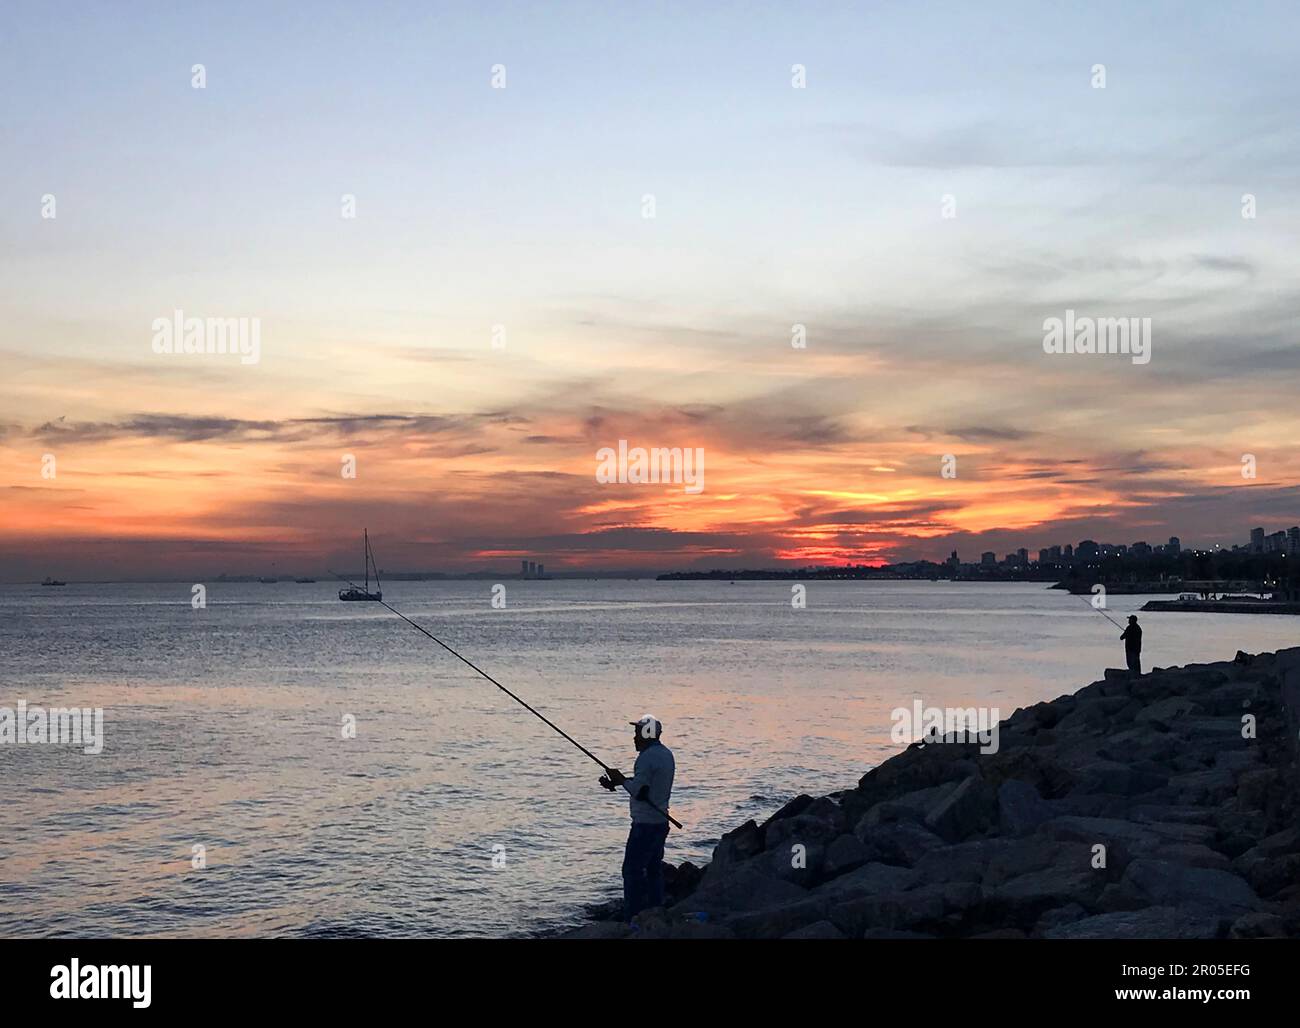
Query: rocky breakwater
x=1163, y=806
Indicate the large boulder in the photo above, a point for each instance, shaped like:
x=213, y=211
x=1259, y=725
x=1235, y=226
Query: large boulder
x=1162, y=922
x=1160, y=883
x=1167, y=712
x=910, y=806
x=965, y=862
x=1020, y=808
x=796, y=806
x=1119, y=779
x=1024, y=899
x=739, y=889
x=844, y=854
x=734, y=848
x=968, y=810
x=816, y=930
x=869, y=879
x=903, y=842
x=775, y=922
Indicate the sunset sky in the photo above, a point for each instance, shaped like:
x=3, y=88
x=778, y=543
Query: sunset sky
x=523, y=207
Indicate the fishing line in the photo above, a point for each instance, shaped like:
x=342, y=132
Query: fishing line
x=1098, y=610
x=470, y=664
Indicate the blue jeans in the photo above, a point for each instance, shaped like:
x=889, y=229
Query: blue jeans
x=643, y=873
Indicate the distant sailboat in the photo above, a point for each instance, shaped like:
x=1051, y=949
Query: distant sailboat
x=352, y=592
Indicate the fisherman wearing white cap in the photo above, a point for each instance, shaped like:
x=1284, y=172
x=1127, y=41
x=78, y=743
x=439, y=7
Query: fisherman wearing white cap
x=650, y=789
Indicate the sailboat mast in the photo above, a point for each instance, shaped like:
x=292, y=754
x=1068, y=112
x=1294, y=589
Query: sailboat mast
x=365, y=536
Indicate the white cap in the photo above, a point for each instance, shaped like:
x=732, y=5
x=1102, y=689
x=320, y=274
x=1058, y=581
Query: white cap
x=648, y=726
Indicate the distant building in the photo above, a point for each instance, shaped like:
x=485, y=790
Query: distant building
x=1256, y=540
x=988, y=559
x=1141, y=549
x=1022, y=557
x=1087, y=549
x=1275, y=542
x=1068, y=552
x=1175, y=546
x=523, y=569
x=540, y=570
x=532, y=570
x=1044, y=556
x=1293, y=540
x=1054, y=553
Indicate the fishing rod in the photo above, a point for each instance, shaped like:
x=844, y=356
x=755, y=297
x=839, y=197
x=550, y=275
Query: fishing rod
x=1099, y=610
x=470, y=664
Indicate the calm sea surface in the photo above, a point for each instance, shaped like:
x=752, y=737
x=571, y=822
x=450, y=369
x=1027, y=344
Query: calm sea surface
x=223, y=730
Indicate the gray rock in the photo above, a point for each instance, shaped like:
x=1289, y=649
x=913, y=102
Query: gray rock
x=1268, y=875
x=736, y=847
x=965, y=862
x=737, y=889
x=910, y=910
x=869, y=879
x=796, y=806
x=1168, y=711
x=1172, y=815
x=940, y=908
x=1253, y=787
x=1028, y=897
x=1259, y=925
x=903, y=842
x=795, y=861
x=1020, y=808
x=683, y=929
x=1060, y=916
x=1191, y=854
x=1151, y=923
x=802, y=828
x=967, y=810
x=1203, y=788
x=816, y=930
x=1114, y=778
x=1281, y=843
x=911, y=806
x=1138, y=837
x=844, y=854
x=775, y=922
x=1160, y=883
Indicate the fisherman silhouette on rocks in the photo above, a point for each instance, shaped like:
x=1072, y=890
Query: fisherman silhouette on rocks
x=650, y=789
x=1132, y=637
